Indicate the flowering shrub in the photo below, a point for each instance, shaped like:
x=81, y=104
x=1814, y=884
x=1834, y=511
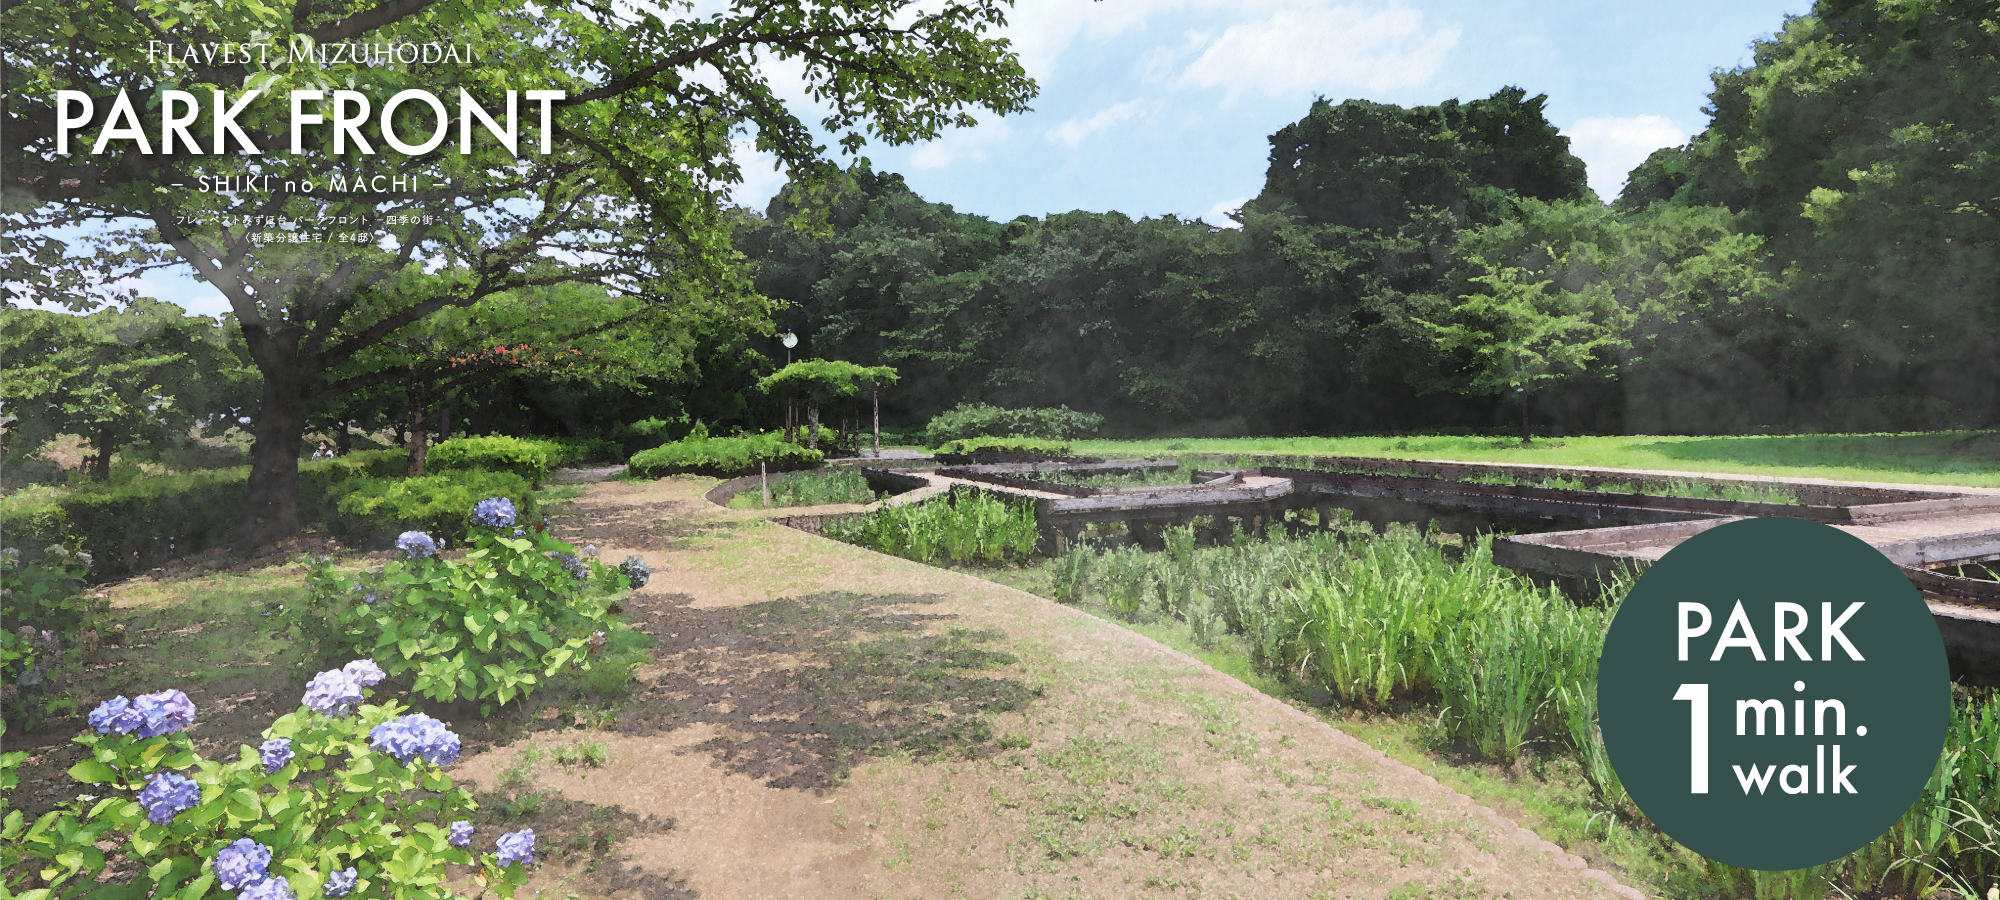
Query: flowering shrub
x=313, y=812
x=636, y=571
x=518, y=608
x=415, y=545
x=48, y=628
x=493, y=512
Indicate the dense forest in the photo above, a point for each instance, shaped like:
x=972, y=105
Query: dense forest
x=1824, y=256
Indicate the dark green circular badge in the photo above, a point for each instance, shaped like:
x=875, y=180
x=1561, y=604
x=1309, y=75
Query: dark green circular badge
x=1774, y=693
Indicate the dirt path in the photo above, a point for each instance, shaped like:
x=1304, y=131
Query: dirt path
x=822, y=721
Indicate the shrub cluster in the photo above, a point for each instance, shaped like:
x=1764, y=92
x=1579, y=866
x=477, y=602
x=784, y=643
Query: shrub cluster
x=723, y=457
x=1026, y=446
x=527, y=457
x=370, y=510
x=133, y=525
x=576, y=451
x=646, y=434
x=342, y=797
x=973, y=420
x=47, y=630
x=516, y=609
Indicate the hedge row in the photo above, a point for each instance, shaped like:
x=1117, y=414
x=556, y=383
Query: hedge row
x=1004, y=445
x=139, y=524
x=370, y=512
x=977, y=420
x=724, y=457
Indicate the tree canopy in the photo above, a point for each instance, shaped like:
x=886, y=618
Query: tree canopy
x=617, y=180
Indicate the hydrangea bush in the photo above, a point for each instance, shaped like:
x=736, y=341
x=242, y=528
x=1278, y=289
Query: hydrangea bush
x=340, y=798
x=519, y=607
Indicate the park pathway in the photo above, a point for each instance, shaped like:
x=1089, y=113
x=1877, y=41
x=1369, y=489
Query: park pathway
x=822, y=721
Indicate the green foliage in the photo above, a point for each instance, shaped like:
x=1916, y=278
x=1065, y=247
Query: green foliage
x=143, y=375
x=820, y=487
x=130, y=525
x=1861, y=144
x=1373, y=166
x=967, y=526
x=336, y=804
x=725, y=457
x=1521, y=335
x=490, y=627
x=43, y=594
x=375, y=510
x=530, y=459
x=973, y=420
x=567, y=452
x=823, y=381
x=1030, y=446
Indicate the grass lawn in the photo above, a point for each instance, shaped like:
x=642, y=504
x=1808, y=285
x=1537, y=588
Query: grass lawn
x=1945, y=457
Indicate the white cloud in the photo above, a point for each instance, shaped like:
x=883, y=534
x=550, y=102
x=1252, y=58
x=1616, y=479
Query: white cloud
x=1218, y=215
x=1073, y=132
x=760, y=181
x=1323, y=49
x=961, y=144
x=1612, y=146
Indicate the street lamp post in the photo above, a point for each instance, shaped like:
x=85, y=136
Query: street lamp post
x=790, y=340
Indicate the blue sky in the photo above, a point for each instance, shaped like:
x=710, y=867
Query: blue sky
x=1155, y=107
x=1150, y=107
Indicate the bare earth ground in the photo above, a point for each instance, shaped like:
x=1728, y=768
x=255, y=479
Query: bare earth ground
x=825, y=721
x=822, y=721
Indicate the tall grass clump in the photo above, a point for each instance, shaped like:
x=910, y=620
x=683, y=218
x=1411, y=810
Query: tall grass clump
x=966, y=526
x=816, y=488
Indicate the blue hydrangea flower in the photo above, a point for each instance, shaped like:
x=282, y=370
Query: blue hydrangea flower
x=333, y=692
x=571, y=564
x=461, y=833
x=341, y=883
x=518, y=847
x=493, y=512
x=276, y=752
x=163, y=712
x=415, y=736
x=273, y=888
x=115, y=716
x=636, y=571
x=241, y=863
x=364, y=671
x=168, y=795
x=415, y=545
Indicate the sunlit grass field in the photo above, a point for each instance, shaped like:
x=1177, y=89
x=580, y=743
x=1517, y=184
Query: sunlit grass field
x=1944, y=457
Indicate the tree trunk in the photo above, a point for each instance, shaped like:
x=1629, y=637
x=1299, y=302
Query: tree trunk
x=417, y=440
x=444, y=425
x=878, y=422
x=100, y=465
x=273, y=511
x=401, y=436
x=342, y=438
x=812, y=426
x=1527, y=436
x=417, y=429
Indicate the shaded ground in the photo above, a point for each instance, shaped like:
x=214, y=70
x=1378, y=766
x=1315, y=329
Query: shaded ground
x=822, y=721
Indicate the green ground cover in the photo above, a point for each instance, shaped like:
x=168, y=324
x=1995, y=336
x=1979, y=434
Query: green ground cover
x=815, y=488
x=1944, y=457
x=1421, y=646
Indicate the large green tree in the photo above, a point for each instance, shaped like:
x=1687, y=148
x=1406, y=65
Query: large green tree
x=618, y=184
x=1863, y=145
x=141, y=375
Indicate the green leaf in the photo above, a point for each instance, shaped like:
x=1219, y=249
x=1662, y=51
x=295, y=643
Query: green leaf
x=91, y=771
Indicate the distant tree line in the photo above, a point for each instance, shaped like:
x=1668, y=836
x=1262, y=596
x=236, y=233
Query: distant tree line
x=1822, y=256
